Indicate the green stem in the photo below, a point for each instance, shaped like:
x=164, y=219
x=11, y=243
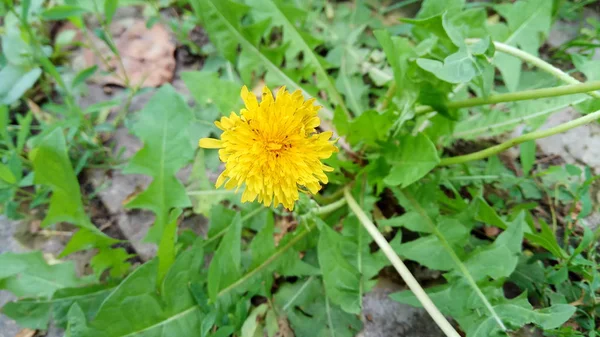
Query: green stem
x=461, y=267
x=406, y=275
x=121, y=116
x=388, y=97
x=535, y=61
x=521, y=139
x=92, y=46
x=518, y=96
x=504, y=48
x=111, y=44
x=282, y=249
x=517, y=120
x=330, y=207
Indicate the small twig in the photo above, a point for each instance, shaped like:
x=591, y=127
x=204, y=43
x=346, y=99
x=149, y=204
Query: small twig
x=105, y=226
x=50, y=233
x=547, y=159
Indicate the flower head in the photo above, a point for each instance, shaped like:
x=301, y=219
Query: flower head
x=273, y=148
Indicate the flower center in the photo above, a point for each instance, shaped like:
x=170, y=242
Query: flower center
x=273, y=146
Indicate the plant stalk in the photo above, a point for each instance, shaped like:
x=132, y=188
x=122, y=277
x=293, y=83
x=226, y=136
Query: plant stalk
x=518, y=96
x=535, y=61
x=406, y=275
x=330, y=207
x=388, y=97
x=521, y=139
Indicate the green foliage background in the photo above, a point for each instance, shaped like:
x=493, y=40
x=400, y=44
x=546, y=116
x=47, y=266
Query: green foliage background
x=386, y=87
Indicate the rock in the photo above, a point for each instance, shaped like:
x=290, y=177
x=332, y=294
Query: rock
x=384, y=317
x=16, y=238
x=197, y=223
x=8, y=327
x=579, y=145
x=116, y=188
x=134, y=225
x=8, y=243
x=53, y=331
x=592, y=220
x=564, y=31
x=8, y=229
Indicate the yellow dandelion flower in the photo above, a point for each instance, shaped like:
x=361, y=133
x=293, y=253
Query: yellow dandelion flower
x=273, y=148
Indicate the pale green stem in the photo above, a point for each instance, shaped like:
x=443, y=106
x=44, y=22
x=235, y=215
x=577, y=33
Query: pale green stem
x=518, y=96
x=535, y=61
x=504, y=48
x=321, y=210
x=406, y=275
x=282, y=249
x=388, y=97
x=521, y=139
x=517, y=120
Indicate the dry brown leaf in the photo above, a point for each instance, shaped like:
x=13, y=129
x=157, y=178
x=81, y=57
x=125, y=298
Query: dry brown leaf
x=284, y=328
x=34, y=226
x=25, y=333
x=147, y=55
x=132, y=195
x=38, y=113
x=491, y=231
x=284, y=225
x=258, y=88
x=68, y=26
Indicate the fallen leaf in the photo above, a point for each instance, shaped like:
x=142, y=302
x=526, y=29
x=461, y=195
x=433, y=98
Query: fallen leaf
x=38, y=113
x=491, y=231
x=138, y=189
x=25, y=333
x=258, y=88
x=284, y=328
x=147, y=55
x=34, y=226
x=68, y=26
x=283, y=225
